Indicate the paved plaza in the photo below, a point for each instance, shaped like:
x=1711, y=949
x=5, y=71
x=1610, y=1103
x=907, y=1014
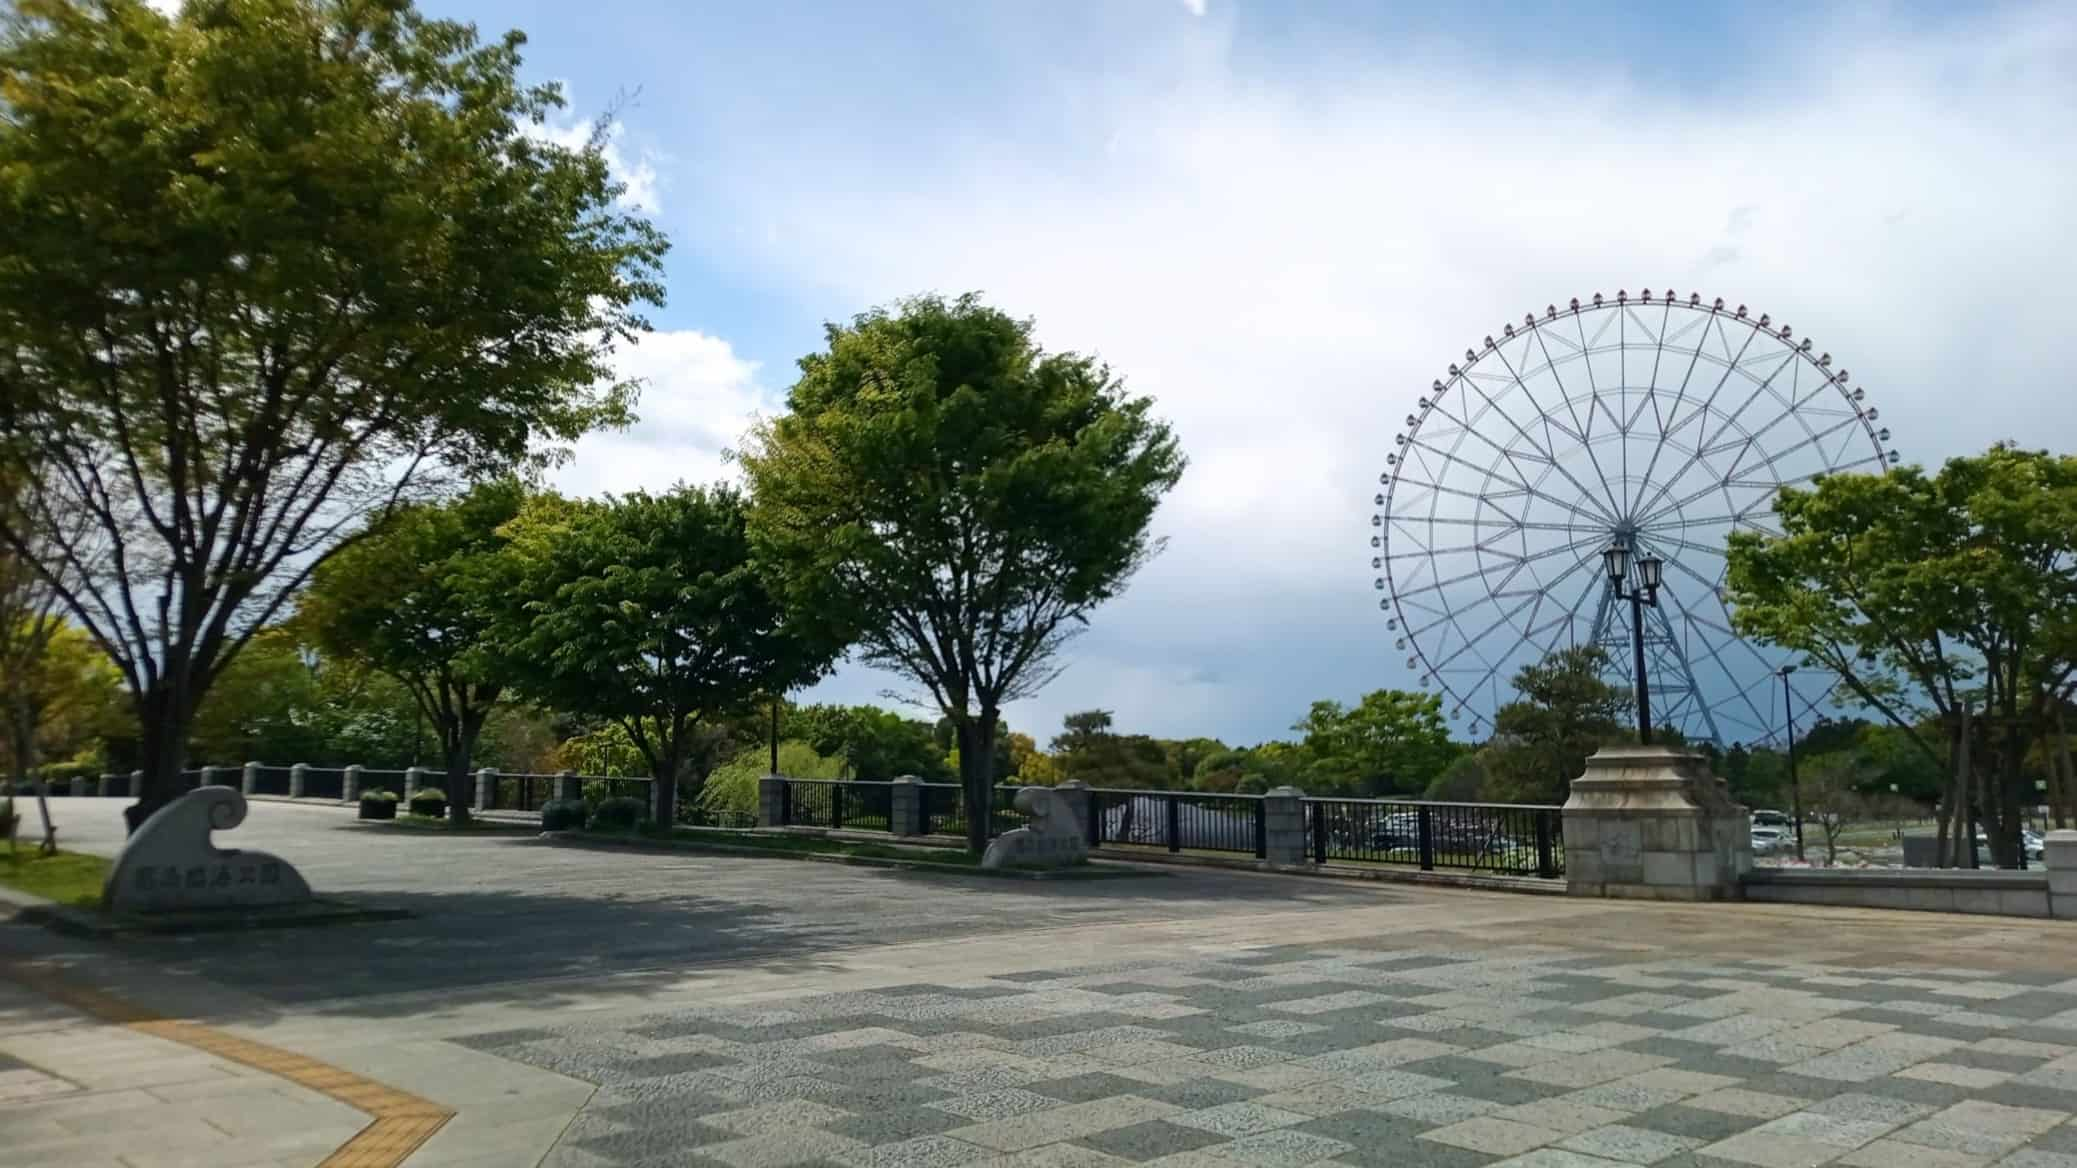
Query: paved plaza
x=585, y=1008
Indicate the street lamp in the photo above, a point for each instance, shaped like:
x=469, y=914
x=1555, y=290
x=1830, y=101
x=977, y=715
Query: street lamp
x=1788, y=707
x=1650, y=573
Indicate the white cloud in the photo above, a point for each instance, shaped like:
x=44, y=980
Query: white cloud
x=1196, y=7
x=1285, y=261
x=635, y=169
x=697, y=398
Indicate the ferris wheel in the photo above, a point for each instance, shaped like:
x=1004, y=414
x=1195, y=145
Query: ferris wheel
x=1655, y=423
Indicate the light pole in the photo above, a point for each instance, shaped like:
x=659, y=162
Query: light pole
x=1650, y=570
x=1788, y=708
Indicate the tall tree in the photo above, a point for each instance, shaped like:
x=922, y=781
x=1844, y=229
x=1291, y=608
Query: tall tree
x=959, y=501
x=1945, y=603
x=269, y=269
x=650, y=611
x=1566, y=712
x=414, y=600
x=1390, y=742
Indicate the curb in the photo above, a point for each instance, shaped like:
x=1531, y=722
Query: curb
x=576, y=840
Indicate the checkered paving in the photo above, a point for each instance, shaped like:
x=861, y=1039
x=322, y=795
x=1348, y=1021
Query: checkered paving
x=1332, y=1056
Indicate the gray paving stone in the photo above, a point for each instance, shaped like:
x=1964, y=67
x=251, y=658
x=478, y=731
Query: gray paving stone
x=1149, y=1141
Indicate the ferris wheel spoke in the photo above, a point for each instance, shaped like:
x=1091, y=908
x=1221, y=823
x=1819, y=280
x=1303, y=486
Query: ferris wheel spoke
x=1577, y=485
x=1634, y=503
x=1760, y=390
x=1708, y=645
x=1479, y=573
x=1520, y=485
x=1702, y=411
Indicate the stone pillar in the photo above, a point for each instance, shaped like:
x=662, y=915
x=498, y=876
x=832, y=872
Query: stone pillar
x=350, y=785
x=413, y=776
x=771, y=801
x=2059, y=856
x=296, y=775
x=905, y=806
x=1075, y=794
x=99, y=786
x=1283, y=813
x=486, y=786
x=247, y=781
x=136, y=784
x=569, y=787
x=1651, y=822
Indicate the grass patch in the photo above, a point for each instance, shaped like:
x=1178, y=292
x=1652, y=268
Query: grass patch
x=70, y=878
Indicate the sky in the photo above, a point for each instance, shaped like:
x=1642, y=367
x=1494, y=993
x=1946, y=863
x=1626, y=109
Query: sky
x=1283, y=219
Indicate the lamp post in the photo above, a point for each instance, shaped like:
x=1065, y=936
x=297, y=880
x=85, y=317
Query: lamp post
x=1788, y=708
x=1650, y=572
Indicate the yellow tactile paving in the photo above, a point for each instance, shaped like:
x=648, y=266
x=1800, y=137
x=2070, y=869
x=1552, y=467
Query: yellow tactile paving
x=402, y=1121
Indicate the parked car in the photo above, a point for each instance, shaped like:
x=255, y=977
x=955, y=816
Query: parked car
x=1774, y=819
x=1768, y=840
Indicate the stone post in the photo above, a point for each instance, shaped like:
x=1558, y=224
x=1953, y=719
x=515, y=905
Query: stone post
x=248, y=781
x=2059, y=856
x=98, y=786
x=413, y=776
x=771, y=801
x=486, y=786
x=136, y=784
x=296, y=775
x=350, y=785
x=1651, y=822
x=1283, y=814
x=568, y=786
x=905, y=806
x=206, y=777
x=1075, y=793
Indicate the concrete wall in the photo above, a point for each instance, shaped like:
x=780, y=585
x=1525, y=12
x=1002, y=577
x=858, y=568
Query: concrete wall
x=2003, y=893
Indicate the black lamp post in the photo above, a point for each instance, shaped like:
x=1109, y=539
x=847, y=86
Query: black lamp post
x=1650, y=574
x=1788, y=707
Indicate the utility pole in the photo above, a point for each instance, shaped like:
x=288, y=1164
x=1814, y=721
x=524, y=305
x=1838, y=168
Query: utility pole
x=1788, y=707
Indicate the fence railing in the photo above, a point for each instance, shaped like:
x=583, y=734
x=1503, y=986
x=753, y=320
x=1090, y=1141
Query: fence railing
x=1179, y=821
x=852, y=806
x=520, y=792
x=1512, y=839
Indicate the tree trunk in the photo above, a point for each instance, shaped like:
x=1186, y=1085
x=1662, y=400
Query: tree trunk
x=162, y=747
x=976, y=767
x=1954, y=820
x=2066, y=807
x=669, y=762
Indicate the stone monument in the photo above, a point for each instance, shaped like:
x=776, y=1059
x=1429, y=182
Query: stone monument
x=1051, y=838
x=1652, y=822
x=171, y=865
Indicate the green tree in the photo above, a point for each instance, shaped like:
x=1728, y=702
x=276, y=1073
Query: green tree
x=647, y=610
x=1945, y=603
x=268, y=269
x=59, y=702
x=1566, y=712
x=1835, y=793
x=873, y=744
x=732, y=787
x=1391, y=742
x=958, y=501
x=414, y=600
x=1089, y=751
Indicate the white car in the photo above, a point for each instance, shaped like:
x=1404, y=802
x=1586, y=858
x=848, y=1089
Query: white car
x=1768, y=840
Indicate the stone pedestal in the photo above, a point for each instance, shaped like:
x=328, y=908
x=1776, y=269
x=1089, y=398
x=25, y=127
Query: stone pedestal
x=486, y=785
x=1283, y=816
x=248, y=779
x=136, y=784
x=350, y=785
x=414, y=777
x=771, y=801
x=905, y=806
x=297, y=776
x=2059, y=856
x=1651, y=822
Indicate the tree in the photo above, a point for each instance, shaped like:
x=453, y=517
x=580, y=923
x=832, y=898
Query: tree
x=958, y=501
x=1390, y=742
x=648, y=610
x=1946, y=604
x=1567, y=711
x=1088, y=751
x=873, y=744
x=414, y=600
x=59, y=701
x=1834, y=785
x=269, y=269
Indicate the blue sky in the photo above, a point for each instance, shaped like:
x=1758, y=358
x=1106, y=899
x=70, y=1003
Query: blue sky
x=1282, y=219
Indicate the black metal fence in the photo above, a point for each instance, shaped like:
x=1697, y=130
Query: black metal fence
x=1179, y=821
x=944, y=809
x=520, y=792
x=324, y=782
x=838, y=805
x=1513, y=839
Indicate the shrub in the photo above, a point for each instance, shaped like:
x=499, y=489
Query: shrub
x=562, y=814
x=379, y=795
x=619, y=813
x=430, y=802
